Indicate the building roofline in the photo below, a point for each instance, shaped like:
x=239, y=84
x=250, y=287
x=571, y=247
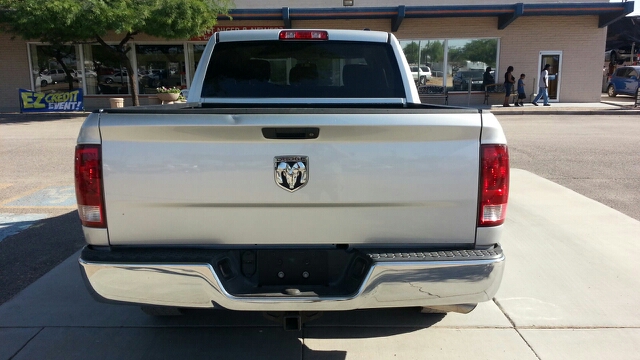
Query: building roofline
x=506, y=14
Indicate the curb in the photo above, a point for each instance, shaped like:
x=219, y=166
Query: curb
x=568, y=112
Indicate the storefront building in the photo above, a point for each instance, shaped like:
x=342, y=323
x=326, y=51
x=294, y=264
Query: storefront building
x=453, y=44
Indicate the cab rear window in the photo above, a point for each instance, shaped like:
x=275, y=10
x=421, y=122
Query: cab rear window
x=303, y=69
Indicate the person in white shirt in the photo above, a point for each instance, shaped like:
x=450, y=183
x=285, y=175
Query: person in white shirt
x=544, y=86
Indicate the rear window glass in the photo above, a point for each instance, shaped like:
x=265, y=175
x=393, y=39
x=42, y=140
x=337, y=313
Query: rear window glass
x=622, y=72
x=303, y=69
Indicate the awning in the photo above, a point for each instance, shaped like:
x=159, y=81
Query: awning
x=505, y=14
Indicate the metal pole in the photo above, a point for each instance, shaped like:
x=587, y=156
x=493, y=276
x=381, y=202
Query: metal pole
x=469, y=92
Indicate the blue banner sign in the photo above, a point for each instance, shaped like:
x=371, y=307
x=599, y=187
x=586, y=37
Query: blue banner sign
x=31, y=101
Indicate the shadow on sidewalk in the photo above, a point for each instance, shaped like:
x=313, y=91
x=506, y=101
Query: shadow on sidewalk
x=26, y=256
x=16, y=118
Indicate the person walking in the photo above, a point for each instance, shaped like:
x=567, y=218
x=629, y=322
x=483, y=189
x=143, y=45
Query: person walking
x=487, y=78
x=543, y=83
x=521, y=93
x=509, y=80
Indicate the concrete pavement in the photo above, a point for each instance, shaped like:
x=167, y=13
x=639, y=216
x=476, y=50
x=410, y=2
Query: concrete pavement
x=569, y=292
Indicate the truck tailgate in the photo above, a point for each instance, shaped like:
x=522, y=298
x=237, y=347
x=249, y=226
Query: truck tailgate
x=209, y=178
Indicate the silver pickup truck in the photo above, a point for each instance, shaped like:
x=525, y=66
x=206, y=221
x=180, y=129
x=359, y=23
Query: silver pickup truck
x=302, y=175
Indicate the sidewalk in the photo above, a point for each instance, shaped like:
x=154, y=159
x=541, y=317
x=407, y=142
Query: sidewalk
x=620, y=105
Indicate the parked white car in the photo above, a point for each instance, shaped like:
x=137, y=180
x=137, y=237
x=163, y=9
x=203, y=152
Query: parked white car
x=88, y=73
x=58, y=75
x=421, y=74
x=43, y=80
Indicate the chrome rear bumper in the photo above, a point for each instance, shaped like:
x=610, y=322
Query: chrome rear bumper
x=394, y=280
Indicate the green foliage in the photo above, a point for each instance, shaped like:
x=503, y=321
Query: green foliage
x=411, y=51
x=432, y=52
x=61, y=22
x=428, y=51
x=483, y=50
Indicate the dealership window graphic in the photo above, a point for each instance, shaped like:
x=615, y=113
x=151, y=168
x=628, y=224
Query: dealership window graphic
x=32, y=101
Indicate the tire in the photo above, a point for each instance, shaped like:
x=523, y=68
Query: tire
x=611, y=91
x=108, y=80
x=160, y=311
x=44, y=83
x=423, y=80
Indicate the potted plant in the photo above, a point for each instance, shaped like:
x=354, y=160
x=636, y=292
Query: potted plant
x=168, y=94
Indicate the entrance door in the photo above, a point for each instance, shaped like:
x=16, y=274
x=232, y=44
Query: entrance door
x=553, y=58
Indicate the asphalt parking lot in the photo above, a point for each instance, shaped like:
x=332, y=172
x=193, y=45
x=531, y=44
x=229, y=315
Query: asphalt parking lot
x=569, y=290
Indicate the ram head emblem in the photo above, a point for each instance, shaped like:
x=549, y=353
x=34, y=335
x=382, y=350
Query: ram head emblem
x=291, y=172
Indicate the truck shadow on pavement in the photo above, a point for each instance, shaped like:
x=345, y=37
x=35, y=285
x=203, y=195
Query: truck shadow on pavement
x=56, y=317
x=31, y=253
x=360, y=323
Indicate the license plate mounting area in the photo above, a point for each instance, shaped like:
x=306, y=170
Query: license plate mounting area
x=292, y=267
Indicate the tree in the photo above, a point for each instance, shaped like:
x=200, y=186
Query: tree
x=432, y=52
x=60, y=22
x=411, y=51
x=482, y=50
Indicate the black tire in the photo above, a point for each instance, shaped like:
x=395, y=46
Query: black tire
x=423, y=80
x=44, y=83
x=108, y=80
x=611, y=91
x=161, y=311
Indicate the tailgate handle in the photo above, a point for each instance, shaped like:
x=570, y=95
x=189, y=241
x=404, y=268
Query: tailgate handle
x=290, y=133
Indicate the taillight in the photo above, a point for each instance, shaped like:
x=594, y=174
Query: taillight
x=303, y=35
x=88, y=174
x=494, y=184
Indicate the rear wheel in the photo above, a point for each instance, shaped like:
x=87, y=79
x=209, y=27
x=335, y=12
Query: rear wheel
x=611, y=91
x=44, y=83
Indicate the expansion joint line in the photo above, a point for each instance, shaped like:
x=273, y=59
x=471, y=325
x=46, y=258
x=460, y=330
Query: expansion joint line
x=513, y=325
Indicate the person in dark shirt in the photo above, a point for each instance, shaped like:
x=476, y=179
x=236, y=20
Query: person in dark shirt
x=521, y=92
x=509, y=80
x=487, y=78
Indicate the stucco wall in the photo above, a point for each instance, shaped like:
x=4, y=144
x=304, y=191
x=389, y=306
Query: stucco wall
x=14, y=71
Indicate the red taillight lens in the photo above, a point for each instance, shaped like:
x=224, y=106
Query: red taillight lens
x=88, y=174
x=494, y=184
x=303, y=35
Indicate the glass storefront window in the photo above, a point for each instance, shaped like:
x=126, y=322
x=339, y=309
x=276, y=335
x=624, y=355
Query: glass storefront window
x=467, y=60
x=104, y=72
x=54, y=68
x=455, y=63
x=426, y=60
x=160, y=65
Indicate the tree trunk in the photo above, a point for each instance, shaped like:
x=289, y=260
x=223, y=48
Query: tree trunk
x=121, y=50
x=133, y=85
x=67, y=74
